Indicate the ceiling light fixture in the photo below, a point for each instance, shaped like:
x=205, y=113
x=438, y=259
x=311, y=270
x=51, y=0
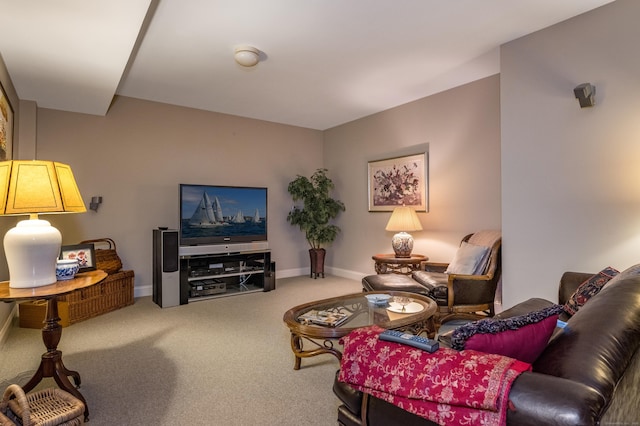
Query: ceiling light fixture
x=247, y=56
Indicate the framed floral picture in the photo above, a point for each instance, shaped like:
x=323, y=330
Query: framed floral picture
x=6, y=126
x=397, y=181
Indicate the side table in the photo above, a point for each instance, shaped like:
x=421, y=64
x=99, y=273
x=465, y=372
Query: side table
x=51, y=364
x=390, y=264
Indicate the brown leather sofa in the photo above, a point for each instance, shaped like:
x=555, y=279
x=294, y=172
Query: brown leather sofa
x=587, y=374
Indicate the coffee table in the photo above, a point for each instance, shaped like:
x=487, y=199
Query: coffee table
x=361, y=313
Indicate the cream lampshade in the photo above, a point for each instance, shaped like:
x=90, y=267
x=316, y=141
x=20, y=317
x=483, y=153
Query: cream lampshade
x=33, y=246
x=402, y=220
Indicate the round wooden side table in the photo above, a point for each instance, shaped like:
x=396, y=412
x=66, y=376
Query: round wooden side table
x=51, y=364
x=390, y=264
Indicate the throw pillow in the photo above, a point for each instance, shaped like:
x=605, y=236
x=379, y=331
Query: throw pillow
x=469, y=259
x=627, y=273
x=588, y=289
x=523, y=337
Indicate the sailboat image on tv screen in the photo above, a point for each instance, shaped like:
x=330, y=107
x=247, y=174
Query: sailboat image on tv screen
x=256, y=217
x=207, y=214
x=238, y=218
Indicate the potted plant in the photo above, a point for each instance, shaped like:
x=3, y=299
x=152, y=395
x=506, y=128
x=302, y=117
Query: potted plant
x=313, y=218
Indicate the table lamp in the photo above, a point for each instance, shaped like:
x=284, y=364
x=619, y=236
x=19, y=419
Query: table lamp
x=403, y=219
x=33, y=246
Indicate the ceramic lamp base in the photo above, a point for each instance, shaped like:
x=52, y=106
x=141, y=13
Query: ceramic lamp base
x=32, y=248
x=402, y=244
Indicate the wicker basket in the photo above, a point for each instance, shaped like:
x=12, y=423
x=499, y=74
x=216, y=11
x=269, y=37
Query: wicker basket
x=46, y=407
x=107, y=257
x=114, y=292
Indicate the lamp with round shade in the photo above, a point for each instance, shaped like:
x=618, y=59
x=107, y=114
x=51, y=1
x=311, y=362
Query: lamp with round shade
x=403, y=220
x=33, y=246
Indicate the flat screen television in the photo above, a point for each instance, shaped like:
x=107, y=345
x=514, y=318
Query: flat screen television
x=213, y=214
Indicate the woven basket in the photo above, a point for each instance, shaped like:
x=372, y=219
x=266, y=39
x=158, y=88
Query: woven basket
x=114, y=292
x=107, y=258
x=46, y=407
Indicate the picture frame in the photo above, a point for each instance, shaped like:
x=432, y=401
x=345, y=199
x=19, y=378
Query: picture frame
x=398, y=181
x=85, y=253
x=6, y=126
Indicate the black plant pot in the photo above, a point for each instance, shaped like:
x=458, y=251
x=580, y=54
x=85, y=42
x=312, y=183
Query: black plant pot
x=317, y=262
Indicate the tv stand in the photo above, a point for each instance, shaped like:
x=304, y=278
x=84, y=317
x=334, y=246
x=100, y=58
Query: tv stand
x=211, y=275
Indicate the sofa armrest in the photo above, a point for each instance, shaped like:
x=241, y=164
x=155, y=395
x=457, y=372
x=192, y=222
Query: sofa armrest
x=434, y=266
x=569, y=282
x=539, y=399
x=350, y=397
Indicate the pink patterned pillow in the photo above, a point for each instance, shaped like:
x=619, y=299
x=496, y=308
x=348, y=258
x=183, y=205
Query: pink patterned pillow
x=588, y=289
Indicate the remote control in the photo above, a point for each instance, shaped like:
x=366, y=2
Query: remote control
x=419, y=342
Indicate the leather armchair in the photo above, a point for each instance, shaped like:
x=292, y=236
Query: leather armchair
x=465, y=296
x=457, y=296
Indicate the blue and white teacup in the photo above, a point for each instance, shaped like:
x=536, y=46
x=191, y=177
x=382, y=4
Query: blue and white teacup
x=66, y=269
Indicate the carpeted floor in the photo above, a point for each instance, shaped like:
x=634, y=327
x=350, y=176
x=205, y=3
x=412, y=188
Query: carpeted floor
x=225, y=361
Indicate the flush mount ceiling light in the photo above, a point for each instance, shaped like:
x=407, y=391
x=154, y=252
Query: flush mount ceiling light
x=247, y=56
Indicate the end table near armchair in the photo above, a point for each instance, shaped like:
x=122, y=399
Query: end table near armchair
x=390, y=264
x=51, y=364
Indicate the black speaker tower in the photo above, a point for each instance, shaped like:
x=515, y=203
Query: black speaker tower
x=166, y=268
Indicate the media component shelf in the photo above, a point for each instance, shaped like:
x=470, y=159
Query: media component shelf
x=205, y=276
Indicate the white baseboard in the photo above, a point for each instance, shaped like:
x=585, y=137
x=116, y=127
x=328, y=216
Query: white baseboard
x=4, y=331
x=142, y=291
x=345, y=273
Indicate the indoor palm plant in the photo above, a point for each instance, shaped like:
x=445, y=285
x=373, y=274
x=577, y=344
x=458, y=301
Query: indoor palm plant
x=313, y=218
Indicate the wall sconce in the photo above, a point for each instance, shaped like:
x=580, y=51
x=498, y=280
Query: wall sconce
x=585, y=93
x=95, y=203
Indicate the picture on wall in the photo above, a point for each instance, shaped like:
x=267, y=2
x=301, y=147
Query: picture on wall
x=397, y=181
x=6, y=126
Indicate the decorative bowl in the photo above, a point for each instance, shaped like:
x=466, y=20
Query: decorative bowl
x=378, y=299
x=66, y=269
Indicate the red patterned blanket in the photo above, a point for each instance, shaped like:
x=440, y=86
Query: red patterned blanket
x=447, y=387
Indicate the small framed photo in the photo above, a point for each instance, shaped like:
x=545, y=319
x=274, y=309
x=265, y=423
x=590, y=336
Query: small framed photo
x=85, y=253
x=398, y=181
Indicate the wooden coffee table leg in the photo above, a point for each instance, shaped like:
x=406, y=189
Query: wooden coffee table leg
x=297, y=347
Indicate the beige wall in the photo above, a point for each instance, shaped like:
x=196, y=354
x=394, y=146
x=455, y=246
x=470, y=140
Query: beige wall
x=460, y=128
x=6, y=223
x=570, y=176
x=137, y=154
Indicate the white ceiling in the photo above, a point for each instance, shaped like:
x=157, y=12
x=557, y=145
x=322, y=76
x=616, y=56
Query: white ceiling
x=324, y=62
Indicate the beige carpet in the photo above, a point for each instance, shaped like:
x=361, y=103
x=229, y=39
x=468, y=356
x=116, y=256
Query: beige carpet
x=225, y=361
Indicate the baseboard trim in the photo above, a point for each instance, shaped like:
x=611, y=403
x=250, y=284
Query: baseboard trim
x=4, y=332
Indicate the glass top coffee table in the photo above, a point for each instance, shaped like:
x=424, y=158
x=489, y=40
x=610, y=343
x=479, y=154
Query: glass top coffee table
x=320, y=322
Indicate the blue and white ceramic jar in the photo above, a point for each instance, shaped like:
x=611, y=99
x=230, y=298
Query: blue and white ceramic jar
x=66, y=269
